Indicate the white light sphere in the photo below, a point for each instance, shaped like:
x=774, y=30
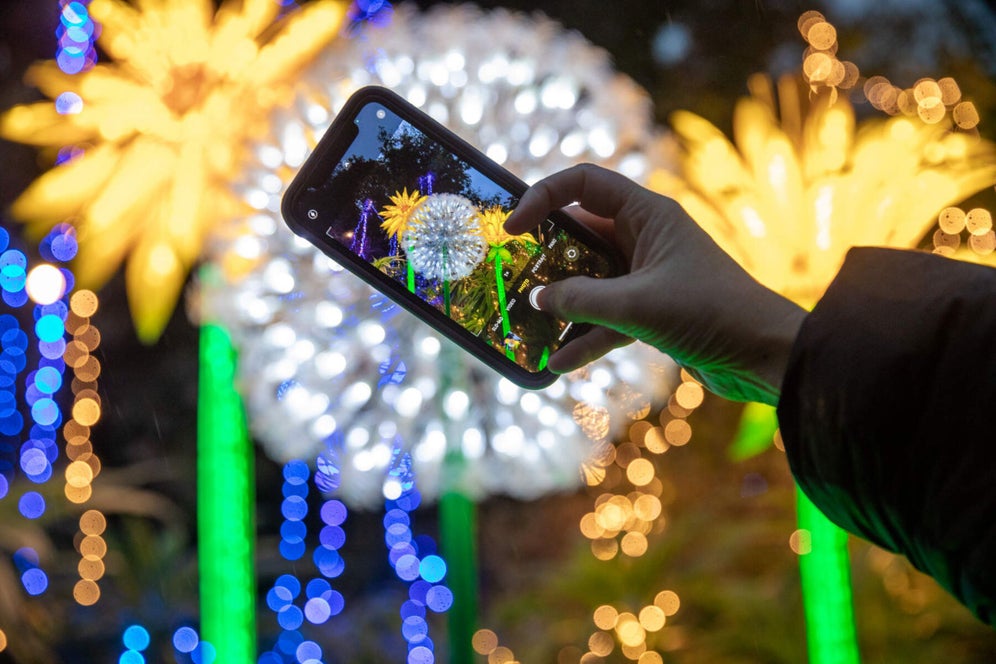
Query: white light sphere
x=45, y=284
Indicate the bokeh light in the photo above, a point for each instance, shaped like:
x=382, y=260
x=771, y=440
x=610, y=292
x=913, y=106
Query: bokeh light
x=45, y=284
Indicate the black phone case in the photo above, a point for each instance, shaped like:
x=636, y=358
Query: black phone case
x=334, y=143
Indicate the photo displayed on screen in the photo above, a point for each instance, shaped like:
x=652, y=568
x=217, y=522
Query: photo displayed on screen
x=405, y=204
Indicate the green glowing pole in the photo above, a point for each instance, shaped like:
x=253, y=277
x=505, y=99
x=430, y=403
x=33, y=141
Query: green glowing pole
x=458, y=535
x=826, y=589
x=457, y=529
x=825, y=570
x=446, y=282
x=225, y=498
x=502, y=305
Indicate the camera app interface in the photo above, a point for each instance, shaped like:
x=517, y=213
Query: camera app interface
x=430, y=221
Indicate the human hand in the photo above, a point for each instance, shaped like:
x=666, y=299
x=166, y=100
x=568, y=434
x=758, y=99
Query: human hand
x=683, y=294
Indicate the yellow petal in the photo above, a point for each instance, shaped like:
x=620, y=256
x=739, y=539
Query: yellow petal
x=183, y=213
x=118, y=23
x=301, y=37
x=62, y=191
x=753, y=124
x=710, y=163
x=232, y=49
x=40, y=124
x=827, y=139
x=143, y=170
x=102, y=253
x=258, y=15
x=154, y=279
x=52, y=81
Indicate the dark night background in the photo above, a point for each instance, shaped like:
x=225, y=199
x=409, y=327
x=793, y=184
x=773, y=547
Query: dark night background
x=725, y=552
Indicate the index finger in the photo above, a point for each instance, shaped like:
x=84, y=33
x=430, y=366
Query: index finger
x=596, y=189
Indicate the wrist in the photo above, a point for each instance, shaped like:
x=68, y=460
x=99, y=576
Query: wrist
x=777, y=333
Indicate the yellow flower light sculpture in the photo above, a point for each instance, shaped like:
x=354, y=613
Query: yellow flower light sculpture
x=788, y=198
x=162, y=126
x=397, y=214
x=492, y=223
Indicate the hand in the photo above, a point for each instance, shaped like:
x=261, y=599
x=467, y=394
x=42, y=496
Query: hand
x=683, y=294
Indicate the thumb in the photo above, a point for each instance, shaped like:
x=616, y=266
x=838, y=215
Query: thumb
x=585, y=300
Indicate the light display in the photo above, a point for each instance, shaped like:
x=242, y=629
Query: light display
x=160, y=129
x=321, y=354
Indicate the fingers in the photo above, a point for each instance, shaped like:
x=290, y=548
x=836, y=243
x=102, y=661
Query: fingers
x=588, y=347
x=597, y=190
x=604, y=228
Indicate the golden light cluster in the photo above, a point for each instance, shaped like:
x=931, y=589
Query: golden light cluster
x=927, y=99
x=930, y=100
x=485, y=642
x=630, y=630
x=820, y=67
x=158, y=131
x=84, y=465
x=975, y=224
x=92, y=548
x=933, y=101
x=620, y=522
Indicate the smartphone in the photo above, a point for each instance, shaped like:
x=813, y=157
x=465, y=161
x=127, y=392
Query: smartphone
x=418, y=214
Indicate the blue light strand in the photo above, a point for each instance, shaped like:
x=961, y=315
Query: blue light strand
x=295, y=603
x=34, y=451
x=76, y=34
x=377, y=12
x=189, y=648
x=414, y=560
x=136, y=639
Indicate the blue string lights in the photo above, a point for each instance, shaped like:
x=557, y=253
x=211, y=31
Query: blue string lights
x=76, y=53
x=414, y=560
x=320, y=601
x=33, y=451
x=136, y=639
x=189, y=647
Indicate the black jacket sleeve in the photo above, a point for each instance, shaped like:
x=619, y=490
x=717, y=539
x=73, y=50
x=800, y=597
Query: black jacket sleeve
x=888, y=410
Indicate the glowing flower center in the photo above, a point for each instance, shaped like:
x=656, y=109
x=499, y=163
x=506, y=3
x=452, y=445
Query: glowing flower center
x=190, y=86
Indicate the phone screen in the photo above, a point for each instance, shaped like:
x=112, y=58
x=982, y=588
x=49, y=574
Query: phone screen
x=404, y=203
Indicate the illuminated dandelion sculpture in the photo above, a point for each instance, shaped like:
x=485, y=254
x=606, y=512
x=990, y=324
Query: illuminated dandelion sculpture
x=322, y=355
x=443, y=238
x=162, y=127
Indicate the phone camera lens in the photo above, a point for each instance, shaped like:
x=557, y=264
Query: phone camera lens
x=572, y=253
x=312, y=214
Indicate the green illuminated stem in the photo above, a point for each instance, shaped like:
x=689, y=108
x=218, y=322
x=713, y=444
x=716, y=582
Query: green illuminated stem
x=446, y=282
x=457, y=528
x=411, y=276
x=505, y=327
x=756, y=433
x=543, y=358
x=225, y=499
x=458, y=535
x=826, y=589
